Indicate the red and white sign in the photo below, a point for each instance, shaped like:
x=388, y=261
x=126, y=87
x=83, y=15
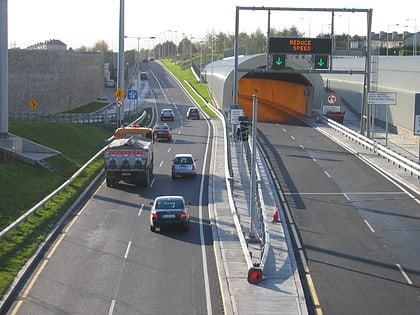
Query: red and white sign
x=120, y=103
x=332, y=99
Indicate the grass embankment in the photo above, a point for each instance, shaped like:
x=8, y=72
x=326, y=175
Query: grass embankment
x=22, y=185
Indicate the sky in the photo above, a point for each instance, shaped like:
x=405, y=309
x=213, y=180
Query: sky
x=80, y=23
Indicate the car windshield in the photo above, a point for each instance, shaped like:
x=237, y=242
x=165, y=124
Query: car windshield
x=183, y=160
x=169, y=204
x=161, y=128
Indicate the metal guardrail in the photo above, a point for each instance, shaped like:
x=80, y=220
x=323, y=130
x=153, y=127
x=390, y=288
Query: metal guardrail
x=374, y=146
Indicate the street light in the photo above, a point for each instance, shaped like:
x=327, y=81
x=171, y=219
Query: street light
x=387, y=34
x=415, y=35
x=138, y=44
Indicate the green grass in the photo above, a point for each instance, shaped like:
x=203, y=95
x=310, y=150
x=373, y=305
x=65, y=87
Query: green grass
x=184, y=75
x=88, y=108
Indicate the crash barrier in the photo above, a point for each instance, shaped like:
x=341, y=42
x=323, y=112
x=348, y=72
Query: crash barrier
x=394, y=157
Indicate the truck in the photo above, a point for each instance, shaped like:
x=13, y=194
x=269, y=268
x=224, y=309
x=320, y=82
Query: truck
x=128, y=131
x=129, y=160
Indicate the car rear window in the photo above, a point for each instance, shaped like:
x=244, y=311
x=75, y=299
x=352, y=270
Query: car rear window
x=169, y=204
x=183, y=160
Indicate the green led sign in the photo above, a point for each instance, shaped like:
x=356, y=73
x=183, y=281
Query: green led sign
x=278, y=61
x=321, y=62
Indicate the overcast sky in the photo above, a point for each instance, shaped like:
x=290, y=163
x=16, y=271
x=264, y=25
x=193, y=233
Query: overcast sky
x=84, y=22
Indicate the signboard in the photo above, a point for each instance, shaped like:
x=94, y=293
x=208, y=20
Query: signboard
x=334, y=109
x=33, y=104
x=382, y=98
x=332, y=99
x=305, y=46
x=120, y=103
x=132, y=94
x=234, y=114
x=119, y=93
x=417, y=115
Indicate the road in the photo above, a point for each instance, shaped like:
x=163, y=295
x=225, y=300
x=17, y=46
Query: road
x=107, y=261
x=359, y=231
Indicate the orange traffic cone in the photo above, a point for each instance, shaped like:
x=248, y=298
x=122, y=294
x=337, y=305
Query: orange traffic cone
x=275, y=217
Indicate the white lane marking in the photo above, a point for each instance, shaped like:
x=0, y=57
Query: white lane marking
x=369, y=226
x=284, y=130
x=140, y=210
x=303, y=148
x=161, y=163
x=293, y=138
x=313, y=158
x=404, y=274
x=111, y=308
x=200, y=216
x=169, y=149
x=153, y=181
x=127, y=250
x=326, y=173
x=346, y=196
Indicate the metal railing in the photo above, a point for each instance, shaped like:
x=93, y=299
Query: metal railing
x=377, y=148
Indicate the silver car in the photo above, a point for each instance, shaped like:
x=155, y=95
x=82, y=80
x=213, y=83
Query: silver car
x=184, y=165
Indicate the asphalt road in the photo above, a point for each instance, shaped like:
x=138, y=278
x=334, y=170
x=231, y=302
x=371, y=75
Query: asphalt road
x=107, y=261
x=359, y=230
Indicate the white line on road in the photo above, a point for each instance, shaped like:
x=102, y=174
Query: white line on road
x=161, y=163
x=140, y=210
x=127, y=250
x=369, y=226
x=404, y=274
x=111, y=308
x=326, y=173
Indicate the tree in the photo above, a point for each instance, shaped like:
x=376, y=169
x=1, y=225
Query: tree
x=100, y=45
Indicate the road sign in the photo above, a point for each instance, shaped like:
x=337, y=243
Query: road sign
x=234, y=115
x=382, y=98
x=120, y=103
x=301, y=46
x=278, y=61
x=33, y=104
x=321, y=62
x=332, y=99
x=119, y=93
x=132, y=94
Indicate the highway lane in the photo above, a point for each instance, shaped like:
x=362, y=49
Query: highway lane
x=359, y=230
x=107, y=261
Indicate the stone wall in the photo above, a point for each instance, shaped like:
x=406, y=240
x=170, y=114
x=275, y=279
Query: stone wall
x=58, y=80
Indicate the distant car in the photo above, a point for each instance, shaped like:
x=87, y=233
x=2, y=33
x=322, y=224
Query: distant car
x=167, y=114
x=110, y=83
x=162, y=131
x=193, y=113
x=151, y=59
x=169, y=211
x=145, y=60
x=143, y=76
x=184, y=165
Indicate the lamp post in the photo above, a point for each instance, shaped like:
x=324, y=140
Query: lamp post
x=387, y=34
x=414, y=36
x=348, y=30
x=138, y=44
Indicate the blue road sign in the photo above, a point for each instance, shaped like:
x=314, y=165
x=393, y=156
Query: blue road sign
x=132, y=94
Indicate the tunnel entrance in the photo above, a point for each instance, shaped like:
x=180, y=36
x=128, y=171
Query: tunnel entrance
x=277, y=93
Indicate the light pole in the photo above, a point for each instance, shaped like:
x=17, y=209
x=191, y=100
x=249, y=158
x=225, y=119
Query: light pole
x=414, y=36
x=387, y=34
x=348, y=30
x=138, y=44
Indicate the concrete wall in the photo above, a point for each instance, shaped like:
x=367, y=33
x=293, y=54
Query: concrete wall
x=57, y=80
x=394, y=74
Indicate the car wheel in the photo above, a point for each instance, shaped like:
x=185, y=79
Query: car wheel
x=152, y=228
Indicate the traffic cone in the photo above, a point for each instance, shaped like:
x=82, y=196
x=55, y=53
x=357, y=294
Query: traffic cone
x=275, y=217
